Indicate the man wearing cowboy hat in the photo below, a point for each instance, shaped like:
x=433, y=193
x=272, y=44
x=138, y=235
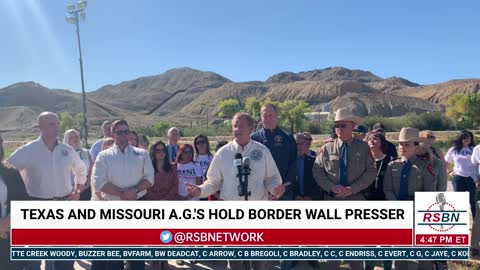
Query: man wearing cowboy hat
x=406, y=175
x=409, y=173
x=344, y=167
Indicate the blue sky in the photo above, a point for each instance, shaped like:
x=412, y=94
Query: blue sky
x=424, y=41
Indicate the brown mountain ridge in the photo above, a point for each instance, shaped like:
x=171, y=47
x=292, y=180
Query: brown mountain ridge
x=187, y=94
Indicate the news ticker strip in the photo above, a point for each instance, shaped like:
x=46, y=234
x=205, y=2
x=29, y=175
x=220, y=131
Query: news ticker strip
x=238, y=253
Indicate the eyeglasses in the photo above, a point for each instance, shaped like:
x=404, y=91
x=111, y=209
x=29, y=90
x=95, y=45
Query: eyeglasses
x=200, y=142
x=431, y=137
x=122, y=132
x=340, y=125
x=160, y=151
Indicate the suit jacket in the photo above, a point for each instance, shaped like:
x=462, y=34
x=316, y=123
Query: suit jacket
x=310, y=186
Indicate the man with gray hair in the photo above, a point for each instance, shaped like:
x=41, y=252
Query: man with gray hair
x=46, y=165
x=221, y=176
x=172, y=145
x=97, y=146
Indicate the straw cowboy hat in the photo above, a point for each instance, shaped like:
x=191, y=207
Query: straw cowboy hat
x=409, y=134
x=426, y=134
x=344, y=115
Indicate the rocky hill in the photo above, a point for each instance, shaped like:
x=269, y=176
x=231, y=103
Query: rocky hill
x=186, y=94
x=159, y=95
x=439, y=93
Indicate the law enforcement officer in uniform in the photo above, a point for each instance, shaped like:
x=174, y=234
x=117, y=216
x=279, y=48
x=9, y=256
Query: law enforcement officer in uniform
x=282, y=146
x=406, y=175
x=344, y=167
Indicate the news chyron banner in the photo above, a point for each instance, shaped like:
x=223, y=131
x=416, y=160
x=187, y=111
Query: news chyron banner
x=237, y=230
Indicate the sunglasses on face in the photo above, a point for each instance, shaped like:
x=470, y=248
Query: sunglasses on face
x=340, y=125
x=431, y=137
x=122, y=132
x=201, y=142
x=160, y=151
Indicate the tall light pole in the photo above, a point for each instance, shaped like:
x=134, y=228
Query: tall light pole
x=207, y=106
x=74, y=13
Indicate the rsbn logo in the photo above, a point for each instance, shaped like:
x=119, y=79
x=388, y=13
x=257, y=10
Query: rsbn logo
x=442, y=216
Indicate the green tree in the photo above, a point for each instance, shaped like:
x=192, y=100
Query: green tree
x=293, y=114
x=228, y=108
x=464, y=110
x=160, y=129
x=252, y=107
x=67, y=121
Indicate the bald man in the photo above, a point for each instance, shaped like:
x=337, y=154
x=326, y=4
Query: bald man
x=46, y=165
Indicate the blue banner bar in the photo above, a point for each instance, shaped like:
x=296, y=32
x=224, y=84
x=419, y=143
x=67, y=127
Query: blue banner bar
x=239, y=253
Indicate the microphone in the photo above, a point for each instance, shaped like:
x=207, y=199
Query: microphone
x=440, y=198
x=237, y=162
x=246, y=173
x=246, y=165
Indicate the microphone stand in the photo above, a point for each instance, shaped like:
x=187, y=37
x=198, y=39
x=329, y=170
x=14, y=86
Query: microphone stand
x=246, y=193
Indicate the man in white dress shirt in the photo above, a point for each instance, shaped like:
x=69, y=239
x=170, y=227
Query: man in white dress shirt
x=46, y=163
x=122, y=172
x=45, y=166
x=264, y=176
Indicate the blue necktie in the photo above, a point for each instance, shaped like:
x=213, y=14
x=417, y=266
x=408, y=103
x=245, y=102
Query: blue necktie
x=403, y=194
x=174, y=153
x=344, y=165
